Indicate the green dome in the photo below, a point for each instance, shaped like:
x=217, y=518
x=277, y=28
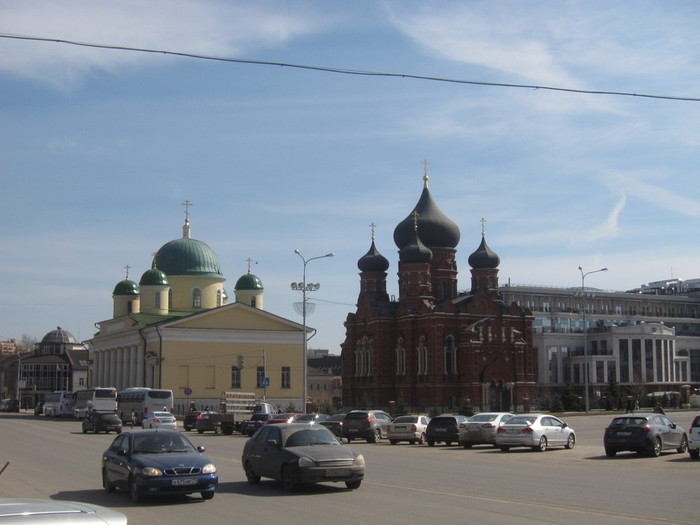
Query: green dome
x=188, y=256
x=126, y=287
x=154, y=277
x=249, y=282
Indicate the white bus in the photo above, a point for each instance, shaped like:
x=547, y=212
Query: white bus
x=143, y=401
x=58, y=404
x=99, y=399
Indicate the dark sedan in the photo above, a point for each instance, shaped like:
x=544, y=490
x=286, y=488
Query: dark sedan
x=102, y=422
x=645, y=434
x=444, y=429
x=335, y=424
x=157, y=462
x=248, y=428
x=298, y=454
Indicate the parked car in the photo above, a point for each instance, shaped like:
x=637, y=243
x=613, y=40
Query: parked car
x=335, y=424
x=298, y=454
x=286, y=417
x=694, y=438
x=160, y=420
x=25, y=511
x=39, y=409
x=157, y=462
x=645, y=434
x=102, y=422
x=9, y=405
x=370, y=425
x=408, y=428
x=481, y=428
x=537, y=431
x=249, y=427
x=311, y=418
x=190, y=420
x=208, y=421
x=444, y=429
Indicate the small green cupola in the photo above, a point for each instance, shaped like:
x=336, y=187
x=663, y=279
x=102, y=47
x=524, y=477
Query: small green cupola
x=249, y=289
x=155, y=289
x=126, y=297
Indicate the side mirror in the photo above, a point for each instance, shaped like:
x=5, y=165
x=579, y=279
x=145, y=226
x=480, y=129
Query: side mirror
x=122, y=452
x=200, y=449
x=272, y=443
x=673, y=425
x=565, y=425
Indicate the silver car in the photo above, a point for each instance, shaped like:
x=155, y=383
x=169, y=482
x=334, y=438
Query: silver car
x=537, y=431
x=482, y=428
x=408, y=428
x=28, y=511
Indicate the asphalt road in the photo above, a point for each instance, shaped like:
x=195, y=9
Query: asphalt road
x=404, y=483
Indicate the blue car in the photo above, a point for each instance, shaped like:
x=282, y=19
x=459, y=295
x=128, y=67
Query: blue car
x=155, y=463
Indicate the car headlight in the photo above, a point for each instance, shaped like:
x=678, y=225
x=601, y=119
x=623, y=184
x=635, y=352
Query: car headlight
x=359, y=461
x=151, y=471
x=306, y=462
x=209, y=468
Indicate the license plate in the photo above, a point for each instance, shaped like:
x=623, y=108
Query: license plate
x=337, y=472
x=440, y=430
x=513, y=431
x=400, y=428
x=353, y=430
x=185, y=481
x=624, y=433
x=472, y=429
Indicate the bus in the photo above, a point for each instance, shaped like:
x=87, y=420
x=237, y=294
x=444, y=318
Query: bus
x=100, y=399
x=58, y=404
x=143, y=401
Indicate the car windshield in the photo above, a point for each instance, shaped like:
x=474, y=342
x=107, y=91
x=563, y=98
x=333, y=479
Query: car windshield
x=521, y=420
x=406, y=419
x=159, y=443
x=305, y=417
x=696, y=422
x=482, y=418
x=311, y=436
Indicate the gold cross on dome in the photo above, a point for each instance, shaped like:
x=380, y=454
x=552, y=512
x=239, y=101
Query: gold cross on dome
x=483, y=226
x=187, y=205
x=415, y=220
x=127, y=268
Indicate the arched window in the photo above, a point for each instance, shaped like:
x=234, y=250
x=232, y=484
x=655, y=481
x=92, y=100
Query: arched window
x=422, y=355
x=218, y=297
x=156, y=300
x=196, y=298
x=400, y=358
x=450, y=353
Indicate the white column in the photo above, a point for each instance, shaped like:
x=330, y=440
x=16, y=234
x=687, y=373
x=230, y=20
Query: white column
x=140, y=353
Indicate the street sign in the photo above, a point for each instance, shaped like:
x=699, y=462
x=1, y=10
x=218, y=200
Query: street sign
x=264, y=382
x=188, y=391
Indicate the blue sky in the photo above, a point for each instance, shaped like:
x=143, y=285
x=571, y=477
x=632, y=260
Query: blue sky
x=99, y=147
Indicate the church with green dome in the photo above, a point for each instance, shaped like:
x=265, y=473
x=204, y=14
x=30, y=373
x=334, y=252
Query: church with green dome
x=176, y=329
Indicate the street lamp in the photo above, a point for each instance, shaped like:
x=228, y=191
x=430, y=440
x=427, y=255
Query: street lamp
x=304, y=287
x=586, y=370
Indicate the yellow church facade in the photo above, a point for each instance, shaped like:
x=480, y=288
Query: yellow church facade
x=175, y=329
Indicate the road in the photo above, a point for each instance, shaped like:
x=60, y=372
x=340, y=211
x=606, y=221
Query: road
x=404, y=483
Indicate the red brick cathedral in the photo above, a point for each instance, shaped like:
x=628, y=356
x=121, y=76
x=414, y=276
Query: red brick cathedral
x=435, y=347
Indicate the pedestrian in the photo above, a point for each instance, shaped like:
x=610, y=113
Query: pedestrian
x=133, y=417
x=659, y=409
x=636, y=405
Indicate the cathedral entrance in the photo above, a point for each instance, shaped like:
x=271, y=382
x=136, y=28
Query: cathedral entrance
x=498, y=396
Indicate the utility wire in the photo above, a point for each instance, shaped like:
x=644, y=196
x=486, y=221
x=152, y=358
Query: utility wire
x=348, y=71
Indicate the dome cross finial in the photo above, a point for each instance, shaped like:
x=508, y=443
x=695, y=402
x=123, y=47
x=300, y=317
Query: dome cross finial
x=415, y=220
x=127, y=268
x=483, y=226
x=425, y=172
x=186, y=230
x=373, y=226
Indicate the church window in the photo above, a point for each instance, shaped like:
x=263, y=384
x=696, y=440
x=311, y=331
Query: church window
x=450, y=356
x=235, y=377
x=260, y=373
x=130, y=307
x=252, y=302
x=422, y=355
x=156, y=300
x=286, y=377
x=196, y=298
x=218, y=297
x=400, y=358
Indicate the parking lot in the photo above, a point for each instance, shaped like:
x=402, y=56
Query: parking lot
x=407, y=483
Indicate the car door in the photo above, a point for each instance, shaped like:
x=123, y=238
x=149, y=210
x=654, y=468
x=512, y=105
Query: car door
x=553, y=429
x=384, y=421
x=670, y=436
x=115, y=465
x=271, y=455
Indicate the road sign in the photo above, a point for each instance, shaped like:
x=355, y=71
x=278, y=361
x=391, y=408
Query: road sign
x=264, y=382
x=188, y=391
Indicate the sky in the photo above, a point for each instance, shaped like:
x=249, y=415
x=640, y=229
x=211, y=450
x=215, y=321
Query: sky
x=99, y=147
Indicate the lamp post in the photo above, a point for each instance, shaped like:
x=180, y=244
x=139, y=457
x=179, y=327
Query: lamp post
x=305, y=287
x=585, y=337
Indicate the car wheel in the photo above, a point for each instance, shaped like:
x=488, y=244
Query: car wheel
x=431, y=443
x=218, y=430
x=250, y=474
x=505, y=448
x=84, y=430
x=655, y=448
x=134, y=491
x=448, y=443
x=394, y=442
x=288, y=482
x=684, y=445
x=570, y=442
x=201, y=431
x=187, y=429
x=610, y=452
x=109, y=488
x=354, y=484
x=467, y=445
x=694, y=453
x=422, y=439
x=542, y=445
x=375, y=437
x=208, y=495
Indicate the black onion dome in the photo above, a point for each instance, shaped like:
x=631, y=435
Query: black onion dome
x=373, y=261
x=415, y=251
x=484, y=257
x=437, y=230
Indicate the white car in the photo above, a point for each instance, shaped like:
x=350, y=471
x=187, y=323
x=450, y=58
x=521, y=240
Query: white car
x=408, y=428
x=26, y=511
x=482, y=428
x=538, y=431
x=694, y=438
x=160, y=420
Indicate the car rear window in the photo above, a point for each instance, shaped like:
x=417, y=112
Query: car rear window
x=442, y=420
x=406, y=419
x=629, y=421
x=521, y=420
x=356, y=415
x=481, y=418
